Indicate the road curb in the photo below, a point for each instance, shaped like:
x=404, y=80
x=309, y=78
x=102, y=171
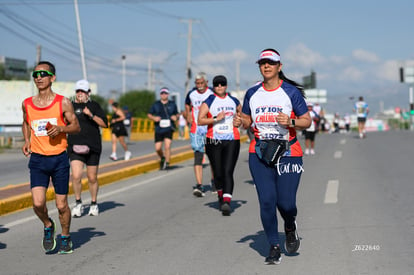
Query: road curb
x=24, y=201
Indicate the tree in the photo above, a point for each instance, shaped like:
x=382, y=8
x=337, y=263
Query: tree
x=137, y=102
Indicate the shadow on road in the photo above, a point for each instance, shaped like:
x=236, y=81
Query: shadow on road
x=259, y=243
x=84, y=235
x=3, y=230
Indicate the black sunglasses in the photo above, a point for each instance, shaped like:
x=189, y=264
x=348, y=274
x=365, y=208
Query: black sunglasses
x=42, y=73
x=268, y=61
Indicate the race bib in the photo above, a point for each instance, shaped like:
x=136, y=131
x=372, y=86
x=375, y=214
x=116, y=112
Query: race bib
x=165, y=123
x=223, y=128
x=39, y=126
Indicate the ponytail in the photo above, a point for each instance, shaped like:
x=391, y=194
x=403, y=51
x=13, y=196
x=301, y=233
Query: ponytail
x=294, y=83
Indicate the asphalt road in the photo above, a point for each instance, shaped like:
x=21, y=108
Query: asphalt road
x=14, y=170
x=355, y=217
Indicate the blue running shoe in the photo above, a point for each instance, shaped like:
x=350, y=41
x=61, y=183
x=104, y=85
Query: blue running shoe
x=49, y=242
x=65, y=245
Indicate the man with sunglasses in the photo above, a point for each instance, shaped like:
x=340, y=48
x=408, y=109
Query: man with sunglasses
x=164, y=113
x=47, y=119
x=85, y=147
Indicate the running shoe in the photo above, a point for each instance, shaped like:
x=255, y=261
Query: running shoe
x=162, y=163
x=77, y=211
x=49, y=242
x=127, y=155
x=225, y=209
x=274, y=256
x=65, y=245
x=198, y=190
x=213, y=187
x=113, y=157
x=292, y=242
x=220, y=201
x=307, y=152
x=93, y=210
x=312, y=152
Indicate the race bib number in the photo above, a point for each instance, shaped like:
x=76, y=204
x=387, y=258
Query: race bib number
x=223, y=128
x=165, y=123
x=39, y=126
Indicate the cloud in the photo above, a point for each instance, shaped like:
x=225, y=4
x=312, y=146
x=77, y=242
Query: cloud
x=223, y=57
x=301, y=55
x=365, y=56
x=351, y=74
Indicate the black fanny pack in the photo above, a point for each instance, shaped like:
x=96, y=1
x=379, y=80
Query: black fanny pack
x=270, y=151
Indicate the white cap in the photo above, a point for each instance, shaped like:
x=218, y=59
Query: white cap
x=82, y=85
x=164, y=90
x=270, y=55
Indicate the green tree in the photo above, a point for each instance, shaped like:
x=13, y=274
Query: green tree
x=1, y=72
x=138, y=102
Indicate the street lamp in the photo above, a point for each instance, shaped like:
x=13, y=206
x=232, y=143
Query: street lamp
x=123, y=74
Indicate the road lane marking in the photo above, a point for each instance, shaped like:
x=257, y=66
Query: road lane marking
x=331, y=194
x=338, y=154
x=108, y=194
x=343, y=141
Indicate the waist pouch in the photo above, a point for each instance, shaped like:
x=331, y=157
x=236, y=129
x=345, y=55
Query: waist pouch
x=81, y=149
x=270, y=151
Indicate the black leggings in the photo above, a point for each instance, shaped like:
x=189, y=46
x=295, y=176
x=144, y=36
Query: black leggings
x=223, y=155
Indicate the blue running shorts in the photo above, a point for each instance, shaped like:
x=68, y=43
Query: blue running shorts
x=56, y=167
x=198, y=142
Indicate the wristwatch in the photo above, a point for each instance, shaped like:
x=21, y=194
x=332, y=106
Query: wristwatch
x=292, y=123
x=215, y=118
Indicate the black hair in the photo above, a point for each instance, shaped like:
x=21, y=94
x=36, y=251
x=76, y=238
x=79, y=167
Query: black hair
x=284, y=78
x=52, y=68
x=115, y=104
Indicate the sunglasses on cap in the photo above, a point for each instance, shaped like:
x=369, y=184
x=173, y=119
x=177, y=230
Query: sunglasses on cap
x=219, y=83
x=268, y=61
x=42, y=73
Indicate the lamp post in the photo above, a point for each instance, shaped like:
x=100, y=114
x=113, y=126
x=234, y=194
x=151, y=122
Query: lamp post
x=123, y=74
x=82, y=54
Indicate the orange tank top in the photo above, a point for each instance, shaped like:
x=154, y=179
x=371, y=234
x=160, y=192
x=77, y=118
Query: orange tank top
x=37, y=118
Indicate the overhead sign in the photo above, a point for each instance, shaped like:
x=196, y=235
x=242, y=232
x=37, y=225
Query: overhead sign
x=409, y=74
x=12, y=94
x=316, y=95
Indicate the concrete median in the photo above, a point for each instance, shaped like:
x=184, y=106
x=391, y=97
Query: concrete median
x=24, y=199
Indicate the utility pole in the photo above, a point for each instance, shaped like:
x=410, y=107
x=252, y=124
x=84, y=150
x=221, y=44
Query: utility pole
x=407, y=76
x=85, y=76
x=123, y=74
x=237, y=75
x=38, y=54
x=149, y=80
x=188, y=65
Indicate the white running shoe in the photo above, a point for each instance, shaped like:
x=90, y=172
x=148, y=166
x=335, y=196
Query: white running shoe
x=113, y=156
x=93, y=210
x=307, y=152
x=127, y=155
x=312, y=152
x=77, y=210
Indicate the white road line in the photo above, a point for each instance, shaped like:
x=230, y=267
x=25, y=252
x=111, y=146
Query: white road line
x=343, y=141
x=338, y=154
x=331, y=194
x=108, y=194
x=104, y=195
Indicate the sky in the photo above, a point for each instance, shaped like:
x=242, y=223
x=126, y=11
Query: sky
x=355, y=47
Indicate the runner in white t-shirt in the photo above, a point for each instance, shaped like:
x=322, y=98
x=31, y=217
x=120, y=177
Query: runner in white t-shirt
x=193, y=101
